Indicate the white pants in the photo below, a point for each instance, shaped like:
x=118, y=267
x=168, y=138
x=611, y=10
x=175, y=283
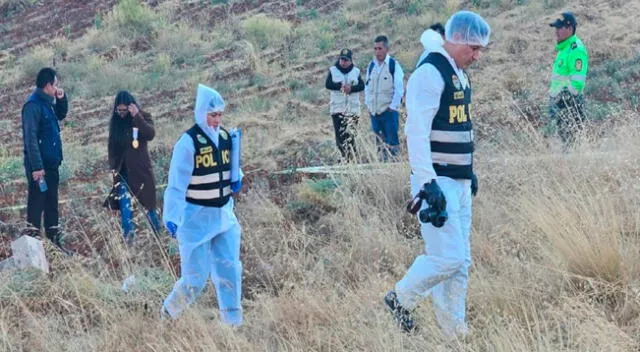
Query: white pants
x=443, y=270
x=220, y=258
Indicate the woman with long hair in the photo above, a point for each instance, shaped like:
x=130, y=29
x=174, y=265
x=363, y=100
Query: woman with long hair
x=130, y=129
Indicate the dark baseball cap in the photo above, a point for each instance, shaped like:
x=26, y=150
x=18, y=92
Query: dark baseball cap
x=568, y=19
x=346, y=54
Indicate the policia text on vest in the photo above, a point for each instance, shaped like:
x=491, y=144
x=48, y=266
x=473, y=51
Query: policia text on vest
x=210, y=183
x=452, y=130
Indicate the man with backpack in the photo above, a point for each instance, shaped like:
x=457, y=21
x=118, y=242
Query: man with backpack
x=384, y=89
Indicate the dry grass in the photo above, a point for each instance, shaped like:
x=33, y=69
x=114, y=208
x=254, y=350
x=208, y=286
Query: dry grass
x=555, y=249
x=555, y=246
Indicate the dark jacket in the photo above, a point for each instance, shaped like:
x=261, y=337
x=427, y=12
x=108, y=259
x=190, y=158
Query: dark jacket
x=135, y=163
x=41, y=132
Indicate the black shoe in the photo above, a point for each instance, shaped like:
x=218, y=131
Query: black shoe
x=55, y=236
x=31, y=232
x=401, y=315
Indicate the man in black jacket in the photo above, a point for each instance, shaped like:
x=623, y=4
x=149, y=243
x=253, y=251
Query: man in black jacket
x=43, y=152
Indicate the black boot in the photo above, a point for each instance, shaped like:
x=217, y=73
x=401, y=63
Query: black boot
x=32, y=232
x=401, y=315
x=55, y=236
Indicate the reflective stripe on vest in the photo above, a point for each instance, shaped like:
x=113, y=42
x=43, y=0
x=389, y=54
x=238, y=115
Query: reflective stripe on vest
x=210, y=183
x=208, y=194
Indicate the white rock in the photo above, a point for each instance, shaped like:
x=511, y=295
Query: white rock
x=28, y=252
x=7, y=264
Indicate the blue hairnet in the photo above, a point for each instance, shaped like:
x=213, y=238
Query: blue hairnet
x=467, y=28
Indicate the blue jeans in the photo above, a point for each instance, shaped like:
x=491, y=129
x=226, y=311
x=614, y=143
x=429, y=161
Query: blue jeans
x=126, y=212
x=385, y=126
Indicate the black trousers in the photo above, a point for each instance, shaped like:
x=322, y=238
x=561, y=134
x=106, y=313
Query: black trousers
x=569, y=114
x=345, y=130
x=44, y=202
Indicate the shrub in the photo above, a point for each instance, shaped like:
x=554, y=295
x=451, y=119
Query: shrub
x=10, y=169
x=181, y=43
x=38, y=58
x=131, y=18
x=264, y=31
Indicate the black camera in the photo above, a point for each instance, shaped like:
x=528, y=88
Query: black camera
x=436, y=211
x=437, y=218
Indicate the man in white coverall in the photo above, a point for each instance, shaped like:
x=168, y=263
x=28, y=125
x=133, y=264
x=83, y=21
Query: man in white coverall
x=440, y=145
x=430, y=39
x=198, y=210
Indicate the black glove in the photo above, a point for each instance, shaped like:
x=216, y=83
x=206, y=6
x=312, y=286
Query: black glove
x=474, y=185
x=432, y=193
x=436, y=212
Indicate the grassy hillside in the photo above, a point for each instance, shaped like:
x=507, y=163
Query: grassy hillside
x=555, y=235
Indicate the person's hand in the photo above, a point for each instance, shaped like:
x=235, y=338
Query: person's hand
x=347, y=89
x=37, y=175
x=133, y=110
x=59, y=93
x=172, y=229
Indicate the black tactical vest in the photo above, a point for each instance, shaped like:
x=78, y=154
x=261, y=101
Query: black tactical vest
x=210, y=183
x=451, y=130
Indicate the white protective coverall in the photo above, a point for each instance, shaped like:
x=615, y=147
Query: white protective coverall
x=442, y=270
x=430, y=40
x=208, y=237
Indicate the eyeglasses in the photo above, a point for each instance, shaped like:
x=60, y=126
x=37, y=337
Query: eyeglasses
x=122, y=111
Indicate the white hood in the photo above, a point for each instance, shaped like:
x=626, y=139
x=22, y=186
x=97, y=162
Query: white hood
x=207, y=100
x=431, y=39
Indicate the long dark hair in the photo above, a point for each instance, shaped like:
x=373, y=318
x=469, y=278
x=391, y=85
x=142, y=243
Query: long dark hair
x=120, y=134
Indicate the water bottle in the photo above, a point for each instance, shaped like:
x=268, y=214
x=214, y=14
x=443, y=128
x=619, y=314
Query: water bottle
x=42, y=184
